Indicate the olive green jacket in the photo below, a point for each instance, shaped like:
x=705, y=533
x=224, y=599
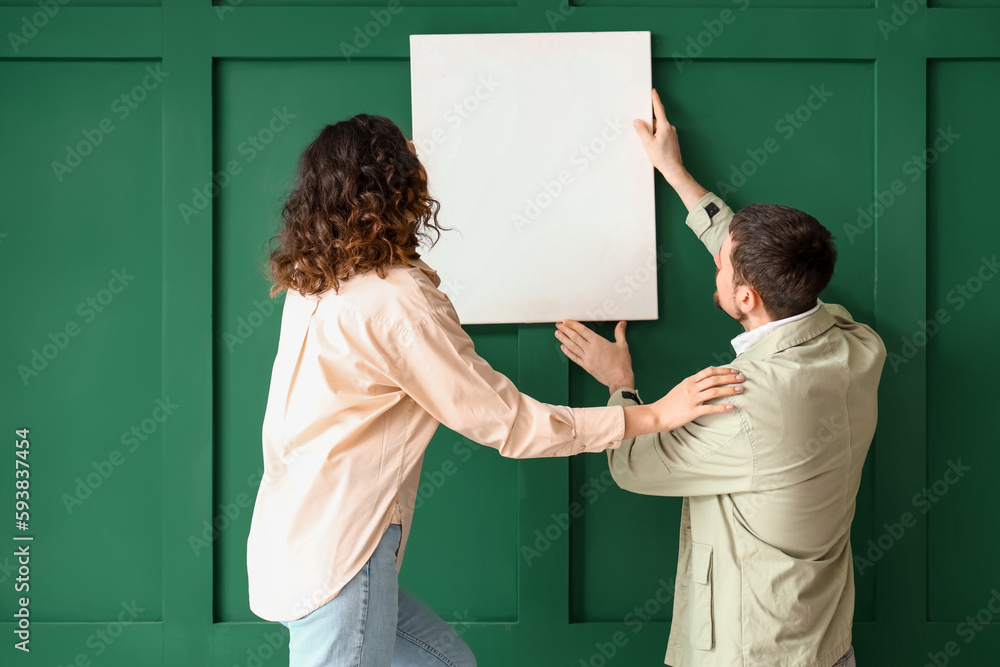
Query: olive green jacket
x=764, y=573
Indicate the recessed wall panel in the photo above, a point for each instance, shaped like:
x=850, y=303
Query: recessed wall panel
x=80, y=259
x=963, y=318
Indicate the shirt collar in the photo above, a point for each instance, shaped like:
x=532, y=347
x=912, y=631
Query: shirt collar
x=748, y=339
x=428, y=271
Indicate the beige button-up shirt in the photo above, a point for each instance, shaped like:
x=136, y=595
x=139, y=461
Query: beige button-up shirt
x=764, y=573
x=360, y=382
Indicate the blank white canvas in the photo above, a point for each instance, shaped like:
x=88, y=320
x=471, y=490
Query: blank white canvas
x=529, y=146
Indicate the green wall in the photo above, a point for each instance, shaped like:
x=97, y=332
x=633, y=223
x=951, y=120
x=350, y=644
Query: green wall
x=139, y=336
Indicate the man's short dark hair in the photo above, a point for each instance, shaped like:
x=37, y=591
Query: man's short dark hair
x=784, y=254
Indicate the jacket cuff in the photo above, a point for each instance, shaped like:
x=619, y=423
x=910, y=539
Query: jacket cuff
x=625, y=396
x=709, y=210
x=599, y=429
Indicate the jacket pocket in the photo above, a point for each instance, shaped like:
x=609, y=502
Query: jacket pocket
x=702, y=622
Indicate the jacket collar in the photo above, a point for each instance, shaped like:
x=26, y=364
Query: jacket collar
x=791, y=334
x=748, y=339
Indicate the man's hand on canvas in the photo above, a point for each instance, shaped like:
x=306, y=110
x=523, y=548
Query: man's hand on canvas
x=664, y=152
x=608, y=361
x=661, y=143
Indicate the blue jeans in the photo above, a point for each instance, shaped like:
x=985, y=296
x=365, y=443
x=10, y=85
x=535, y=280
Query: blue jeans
x=374, y=623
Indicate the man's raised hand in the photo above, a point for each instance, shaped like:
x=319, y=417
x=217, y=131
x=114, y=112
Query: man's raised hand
x=664, y=152
x=661, y=143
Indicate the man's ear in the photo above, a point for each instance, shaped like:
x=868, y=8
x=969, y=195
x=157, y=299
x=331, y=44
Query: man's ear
x=747, y=299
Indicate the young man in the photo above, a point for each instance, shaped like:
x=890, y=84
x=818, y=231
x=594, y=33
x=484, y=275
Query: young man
x=764, y=574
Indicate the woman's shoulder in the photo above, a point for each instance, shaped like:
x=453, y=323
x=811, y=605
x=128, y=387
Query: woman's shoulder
x=405, y=296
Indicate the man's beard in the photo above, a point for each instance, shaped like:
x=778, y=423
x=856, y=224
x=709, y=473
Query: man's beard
x=741, y=316
x=715, y=297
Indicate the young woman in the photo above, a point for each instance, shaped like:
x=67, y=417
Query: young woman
x=371, y=358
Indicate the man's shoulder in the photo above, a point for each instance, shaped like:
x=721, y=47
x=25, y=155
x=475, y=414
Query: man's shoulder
x=859, y=332
x=824, y=349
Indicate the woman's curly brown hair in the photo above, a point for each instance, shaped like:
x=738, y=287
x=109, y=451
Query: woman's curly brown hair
x=360, y=204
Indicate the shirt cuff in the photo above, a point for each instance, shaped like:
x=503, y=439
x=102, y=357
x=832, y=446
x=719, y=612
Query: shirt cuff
x=599, y=429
